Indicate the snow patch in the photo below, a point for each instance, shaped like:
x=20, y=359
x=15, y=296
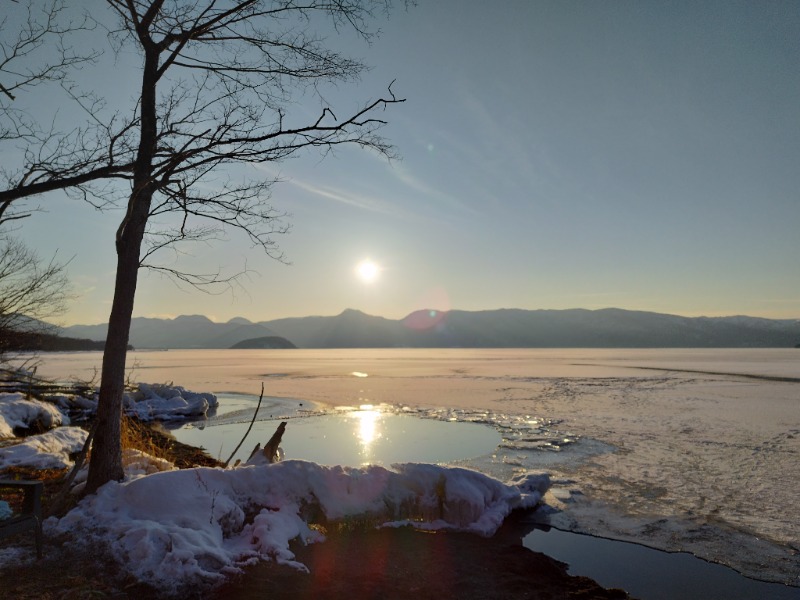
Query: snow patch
x=16, y=412
x=165, y=402
x=49, y=450
x=178, y=529
x=150, y=402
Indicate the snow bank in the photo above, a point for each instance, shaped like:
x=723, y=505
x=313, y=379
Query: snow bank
x=164, y=402
x=49, y=450
x=135, y=464
x=191, y=527
x=73, y=402
x=150, y=402
x=15, y=412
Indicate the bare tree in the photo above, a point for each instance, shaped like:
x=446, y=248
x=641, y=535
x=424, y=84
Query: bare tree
x=31, y=290
x=35, y=50
x=217, y=82
x=43, y=26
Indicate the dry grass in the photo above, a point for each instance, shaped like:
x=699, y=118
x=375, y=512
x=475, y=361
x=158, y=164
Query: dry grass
x=136, y=435
x=154, y=440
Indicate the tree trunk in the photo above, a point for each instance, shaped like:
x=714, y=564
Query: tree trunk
x=106, y=462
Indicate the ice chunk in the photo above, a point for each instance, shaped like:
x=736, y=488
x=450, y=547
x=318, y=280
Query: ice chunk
x=165, y=402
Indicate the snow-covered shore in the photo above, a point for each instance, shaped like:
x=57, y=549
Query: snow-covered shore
x=191, y=527
x=180, y=529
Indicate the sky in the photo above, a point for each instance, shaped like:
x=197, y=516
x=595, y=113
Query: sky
x=553, y=155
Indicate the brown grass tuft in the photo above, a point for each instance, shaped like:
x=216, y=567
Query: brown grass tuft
x=156, y=441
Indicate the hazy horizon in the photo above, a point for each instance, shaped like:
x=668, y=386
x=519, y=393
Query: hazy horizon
x=398, y=318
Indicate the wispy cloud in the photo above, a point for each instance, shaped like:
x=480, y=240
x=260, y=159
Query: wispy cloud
x=348, y=197
x=334, y=193
x=391, y=199
x=420, y=187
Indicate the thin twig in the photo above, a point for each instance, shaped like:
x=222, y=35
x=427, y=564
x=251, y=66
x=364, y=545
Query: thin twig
x=239, y=445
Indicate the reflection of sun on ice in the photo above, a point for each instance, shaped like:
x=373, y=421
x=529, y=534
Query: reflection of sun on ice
x=368, y=271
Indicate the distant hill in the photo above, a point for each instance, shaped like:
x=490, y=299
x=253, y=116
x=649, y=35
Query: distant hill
x=514, y=328
x=504, y=328
x=32, y=335
x=45, y=342
x=186, y=331
x=271, y=342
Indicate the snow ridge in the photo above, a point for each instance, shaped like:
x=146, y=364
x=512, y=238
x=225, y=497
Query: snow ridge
x=181, y=529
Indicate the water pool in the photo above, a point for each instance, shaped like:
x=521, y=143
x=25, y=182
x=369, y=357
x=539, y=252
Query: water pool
x=355, y=437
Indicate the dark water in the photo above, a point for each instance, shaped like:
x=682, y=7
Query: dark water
x=650, y=574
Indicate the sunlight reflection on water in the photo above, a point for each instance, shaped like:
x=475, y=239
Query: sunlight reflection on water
x=368, y=427
x=350, y=437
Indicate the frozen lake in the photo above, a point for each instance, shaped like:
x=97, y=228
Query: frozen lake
x=690, y=450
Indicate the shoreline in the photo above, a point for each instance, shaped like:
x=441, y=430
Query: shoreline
x=392, y=564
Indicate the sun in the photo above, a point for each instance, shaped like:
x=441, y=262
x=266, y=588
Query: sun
x=368, y=271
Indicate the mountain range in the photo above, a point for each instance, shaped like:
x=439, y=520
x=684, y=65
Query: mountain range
x=503, y=328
